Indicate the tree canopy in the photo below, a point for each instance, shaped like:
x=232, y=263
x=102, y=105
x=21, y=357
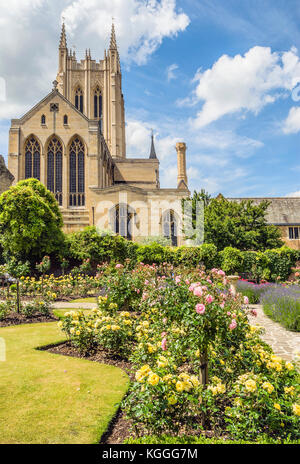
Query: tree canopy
x=30, y=221
x=236, y=224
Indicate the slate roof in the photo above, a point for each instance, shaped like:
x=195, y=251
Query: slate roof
x=281, y=212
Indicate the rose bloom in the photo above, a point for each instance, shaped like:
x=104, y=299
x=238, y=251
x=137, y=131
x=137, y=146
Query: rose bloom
x=164, y=344
x=254, y=312
x=221, y=273
x=198, y=291
x=233, y=324
x=177, y=279
x=200, y=308
x=246, y=300
x=209, y=298
x=118, y=266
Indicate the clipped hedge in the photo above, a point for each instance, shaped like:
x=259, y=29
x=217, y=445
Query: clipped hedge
x=271, y=265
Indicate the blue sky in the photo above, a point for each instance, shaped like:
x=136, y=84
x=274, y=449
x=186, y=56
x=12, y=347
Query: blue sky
x=218, y=75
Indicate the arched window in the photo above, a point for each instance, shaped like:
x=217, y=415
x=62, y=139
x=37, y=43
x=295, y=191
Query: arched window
x=170, y=226
x=122, y=217
x=32, y=158
x=77, y=173
x=79, y=99
x=98, y=103
x=43, y=120
x=54, y=168
x=65, y=120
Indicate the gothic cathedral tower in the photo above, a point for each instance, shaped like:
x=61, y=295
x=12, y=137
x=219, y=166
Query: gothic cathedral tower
x=95, y=89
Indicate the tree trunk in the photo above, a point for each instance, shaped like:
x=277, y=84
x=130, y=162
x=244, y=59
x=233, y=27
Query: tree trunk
x=203, y=368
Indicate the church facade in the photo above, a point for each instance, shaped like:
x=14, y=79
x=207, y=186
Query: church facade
x=74, y=142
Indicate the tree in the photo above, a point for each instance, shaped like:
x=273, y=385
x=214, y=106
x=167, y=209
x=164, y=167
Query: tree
x=30, y=222
x=239, y=225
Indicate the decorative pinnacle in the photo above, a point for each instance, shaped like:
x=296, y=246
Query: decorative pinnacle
x=113, y=40
x=63, y=37
x=152, y=151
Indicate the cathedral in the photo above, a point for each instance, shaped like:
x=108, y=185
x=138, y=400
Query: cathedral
x=74, y=142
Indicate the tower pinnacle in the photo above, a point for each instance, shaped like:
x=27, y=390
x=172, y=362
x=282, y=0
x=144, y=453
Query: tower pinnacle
x=63, y=37
x=152, y=151
x=113, y=40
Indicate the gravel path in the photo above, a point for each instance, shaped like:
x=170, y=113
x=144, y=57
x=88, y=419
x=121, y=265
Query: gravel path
x=284, y=343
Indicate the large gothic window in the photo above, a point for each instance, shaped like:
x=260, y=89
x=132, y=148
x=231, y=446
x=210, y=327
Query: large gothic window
x=122, y=217
x=170, y=226
x=76, y=179
x=54, y=168
x=79, y=99
x=98, y=103
x=32, y=158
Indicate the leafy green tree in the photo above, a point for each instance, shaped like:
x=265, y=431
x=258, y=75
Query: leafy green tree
x=30, y=222
x=240, y=225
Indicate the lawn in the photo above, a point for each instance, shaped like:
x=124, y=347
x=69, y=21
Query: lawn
x=90, y=299
x=48, y=398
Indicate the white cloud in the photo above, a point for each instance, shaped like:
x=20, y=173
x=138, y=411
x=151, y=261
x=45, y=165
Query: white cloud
x=292, y=123
x=171, y=72
x=293, y=194
x=243, y=83
x=30, y=31
x=141, y=24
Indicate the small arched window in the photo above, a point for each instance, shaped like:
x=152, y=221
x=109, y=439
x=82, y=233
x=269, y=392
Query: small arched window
x=43, y=120
x=98, y=103
x=54, y=168
x=79, y=99
x=32, y=158
x=170, y=226
x=65, y=120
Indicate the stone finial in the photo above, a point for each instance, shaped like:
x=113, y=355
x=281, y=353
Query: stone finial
x=63, y=37
x=55, y=84
x=113, y=40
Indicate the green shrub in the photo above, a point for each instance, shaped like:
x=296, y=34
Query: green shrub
x=280, y=262
x=231, y=260
x=149, y=254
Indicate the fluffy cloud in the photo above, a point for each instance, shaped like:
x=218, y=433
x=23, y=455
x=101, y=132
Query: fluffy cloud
x=141, y=24
x=292, y=123
x=30, y=32
x=171, y=72
x=293, y=194
x=244, y=83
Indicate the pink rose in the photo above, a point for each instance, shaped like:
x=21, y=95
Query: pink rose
x=228, y=313
x=200, y=308
x=246, y=300
x=177, y=279
x=118, y=266
x=164, y=344
x=233, y=324
x=198, y=291
x=164, y=320
x=222, y=305
x=209, y=298
x=163, y=334
x=187, y=282
x=254, y=312
x=221, y=273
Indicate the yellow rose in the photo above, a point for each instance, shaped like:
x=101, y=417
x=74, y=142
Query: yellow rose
x=172, y=400
x=268, y=386
x=277, y=406
x=153, y=379
x=250, y=385
x=296, y=409
x=179, y=386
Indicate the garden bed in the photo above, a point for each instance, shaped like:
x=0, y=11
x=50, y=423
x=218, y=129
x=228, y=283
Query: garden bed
x=14, y=318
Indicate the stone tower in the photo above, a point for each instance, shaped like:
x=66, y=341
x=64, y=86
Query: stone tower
x=182, y=181
x=95, y=88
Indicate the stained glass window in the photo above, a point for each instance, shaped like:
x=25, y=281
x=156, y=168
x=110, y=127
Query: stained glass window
x=79, y=99
x=54, y=168
x=77, y=173
x=32, y=158
x=98, y=103
x=43, y=120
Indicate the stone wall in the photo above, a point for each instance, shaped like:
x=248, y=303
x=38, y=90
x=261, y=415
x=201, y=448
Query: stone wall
x=6, y=178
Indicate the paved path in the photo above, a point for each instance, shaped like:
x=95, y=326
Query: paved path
x=67, y=305
x=284, y=343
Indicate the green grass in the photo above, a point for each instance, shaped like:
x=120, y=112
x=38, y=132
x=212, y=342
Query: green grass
x=168, y=440
x=61, y=312
x=90, y=299
x=49, y=398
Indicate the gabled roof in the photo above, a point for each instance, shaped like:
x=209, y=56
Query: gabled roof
x=44, y=101
x=281, y=211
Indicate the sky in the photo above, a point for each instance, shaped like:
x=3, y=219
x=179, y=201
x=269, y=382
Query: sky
x=222, y=76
